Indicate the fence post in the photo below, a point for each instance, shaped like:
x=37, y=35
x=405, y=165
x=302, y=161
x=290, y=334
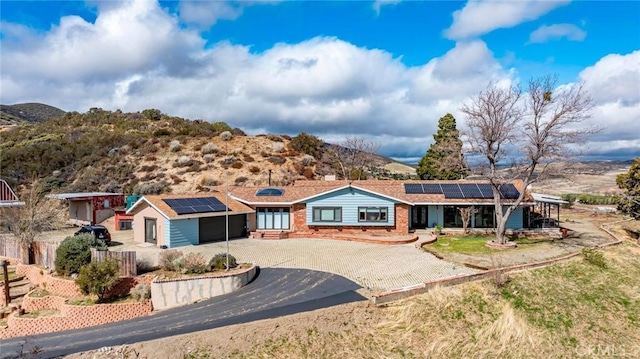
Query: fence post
x=5, y=271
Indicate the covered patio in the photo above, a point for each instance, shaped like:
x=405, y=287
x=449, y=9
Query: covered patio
x=546, y=213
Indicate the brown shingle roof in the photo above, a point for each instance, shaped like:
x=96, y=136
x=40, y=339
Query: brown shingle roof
x=234, y=206
x=390, y=188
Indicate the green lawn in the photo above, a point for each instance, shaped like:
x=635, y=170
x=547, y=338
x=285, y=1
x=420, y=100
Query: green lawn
x=466, y=245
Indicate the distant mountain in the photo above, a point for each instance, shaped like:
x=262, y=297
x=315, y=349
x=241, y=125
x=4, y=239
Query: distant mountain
x=28, y=112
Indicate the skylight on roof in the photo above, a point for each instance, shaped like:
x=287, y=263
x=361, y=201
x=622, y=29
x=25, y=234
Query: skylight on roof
x=270, y=192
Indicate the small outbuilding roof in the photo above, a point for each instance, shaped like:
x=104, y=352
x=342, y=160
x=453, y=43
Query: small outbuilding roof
x=547, y=198
x=159, y=204
x=82, y=195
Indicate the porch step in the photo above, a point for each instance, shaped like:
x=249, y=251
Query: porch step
x=271, y=235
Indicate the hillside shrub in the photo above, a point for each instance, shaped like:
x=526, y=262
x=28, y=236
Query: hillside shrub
x=276, y=160
x=151, y=188
x=277, y=147
x=308, y=144
x=237, y=165
x=275, y=138
x=161, y=132
x=240, y=180
x=167, y=258
x=307, y=160
x=98, y=278
x=209, y=148
x=195, y=263
x=184, y=161
x=75, y=252
x=174, y=146
x=254, y=169
x=208, y=158
x=219, y=261
x=226, y=135
x=208, y=181
x=248, y=158
x=141, y=292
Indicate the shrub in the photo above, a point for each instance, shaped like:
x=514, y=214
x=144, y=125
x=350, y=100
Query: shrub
x=184, y=161
x=208, y=181
x=308, y=144
x=195, y=263
x=174, y=146
x=254, y=169
x=208, y=158
x=237, y=165
x=277, y=147
x=167, y=258
x=151, y=188
x=75, y=252
x=141, y=292
x=307, y=160
x=219, y=261
x=209, y=148
x=308, y=173
x=161, y=132
x=276, y=160
x=144, y=265
x=275, y=138
x=594, y=257
x=248, y=158
x=98, y=278
x=226, y=135
x=240, y=180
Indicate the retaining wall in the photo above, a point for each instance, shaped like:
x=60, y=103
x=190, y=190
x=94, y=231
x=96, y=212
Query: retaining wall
x=169, y=293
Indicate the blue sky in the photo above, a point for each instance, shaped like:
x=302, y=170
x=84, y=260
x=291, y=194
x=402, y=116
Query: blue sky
x=384, y=70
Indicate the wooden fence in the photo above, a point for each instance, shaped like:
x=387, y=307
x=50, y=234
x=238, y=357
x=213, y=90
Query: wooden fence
x=9, y=247
x=45, y=253
x=126, y=260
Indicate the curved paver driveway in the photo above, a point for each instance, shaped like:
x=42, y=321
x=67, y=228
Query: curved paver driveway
x=374, y=266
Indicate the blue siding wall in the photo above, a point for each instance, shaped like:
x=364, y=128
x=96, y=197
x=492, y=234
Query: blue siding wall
x=182, y=232
x=515, y=220
x=350, y=199
x=436, y=215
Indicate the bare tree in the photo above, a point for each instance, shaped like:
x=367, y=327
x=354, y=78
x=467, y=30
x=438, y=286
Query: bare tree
x=37, y=215
x=353, y=156
x=528, y=130
x=465, y=213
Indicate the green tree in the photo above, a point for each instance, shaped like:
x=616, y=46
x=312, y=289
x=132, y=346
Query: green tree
x=630, y=182
x=98, y=278
x=75, y=252
x=444, y=159
x=307, y=144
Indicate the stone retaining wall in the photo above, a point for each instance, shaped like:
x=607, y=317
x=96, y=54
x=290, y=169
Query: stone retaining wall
x=70, y=316
x=169, y=293
x=54, y=285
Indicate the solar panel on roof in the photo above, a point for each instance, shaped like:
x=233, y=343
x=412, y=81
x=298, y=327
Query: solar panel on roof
x=195, y=205
x=486, y=190
x=432, y=188
x=413, y=188
x=270, y=192
x=509, y=191
x=451, y=190
x=470, y=190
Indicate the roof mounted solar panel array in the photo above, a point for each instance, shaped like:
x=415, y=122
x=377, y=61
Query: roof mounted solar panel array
x=461, y=190
x=195, y=205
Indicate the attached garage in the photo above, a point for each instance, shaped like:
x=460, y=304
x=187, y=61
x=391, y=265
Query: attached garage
x=212, y=229
x=182, y=220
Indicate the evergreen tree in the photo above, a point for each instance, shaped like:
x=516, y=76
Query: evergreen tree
x=444, y=159
x=630, y=182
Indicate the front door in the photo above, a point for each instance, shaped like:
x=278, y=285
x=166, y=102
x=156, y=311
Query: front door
x=419, y=217
x=150, y=230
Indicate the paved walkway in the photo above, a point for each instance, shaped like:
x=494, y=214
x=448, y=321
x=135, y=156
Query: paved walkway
x=375, y=267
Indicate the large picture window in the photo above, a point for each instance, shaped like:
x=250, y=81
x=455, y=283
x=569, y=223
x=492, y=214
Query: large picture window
x=273, y=218
x=452, y=217
x=372, y=214
x=485, y=217
x=327, y=214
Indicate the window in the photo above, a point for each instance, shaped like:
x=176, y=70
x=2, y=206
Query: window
x=485, y=216
x=372, y=214
x=106, y=203
x=452, y=217
x=273, y=218
x=327, y=214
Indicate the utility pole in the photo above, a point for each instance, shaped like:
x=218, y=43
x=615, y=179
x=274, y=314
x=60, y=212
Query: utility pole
x=5, y=270
x=226, y=217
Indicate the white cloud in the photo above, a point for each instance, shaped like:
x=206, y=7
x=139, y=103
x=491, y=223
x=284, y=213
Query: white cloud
x=378, y=4
x=136, y=56
x=614, y=84
x=557, y=31
x=206, y=13
x=479, y=17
